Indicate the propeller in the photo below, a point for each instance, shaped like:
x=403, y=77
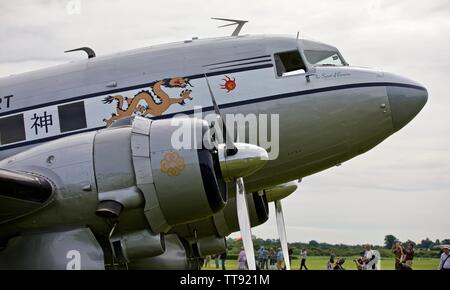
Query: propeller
x=282, y=233
x=238, y=160
x=244, y=223
x=230, y=147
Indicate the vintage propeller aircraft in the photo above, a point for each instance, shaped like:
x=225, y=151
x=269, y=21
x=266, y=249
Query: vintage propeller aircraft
x=90, y=177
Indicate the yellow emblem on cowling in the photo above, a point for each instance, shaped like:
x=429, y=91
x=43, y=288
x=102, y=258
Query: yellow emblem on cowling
x=172, y=163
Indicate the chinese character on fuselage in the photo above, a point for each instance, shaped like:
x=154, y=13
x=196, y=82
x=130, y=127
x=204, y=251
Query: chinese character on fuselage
x=43, y=121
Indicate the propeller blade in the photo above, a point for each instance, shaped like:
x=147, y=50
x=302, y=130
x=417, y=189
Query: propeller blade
x=244, y=223
x=282, y=233
x=230, y=147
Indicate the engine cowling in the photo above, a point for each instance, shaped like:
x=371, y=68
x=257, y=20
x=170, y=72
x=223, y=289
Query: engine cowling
x=280, y=191
x=179, y=185
x=126, y=168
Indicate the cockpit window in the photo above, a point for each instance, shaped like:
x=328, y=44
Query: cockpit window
x=289, y=63
x=324, y=58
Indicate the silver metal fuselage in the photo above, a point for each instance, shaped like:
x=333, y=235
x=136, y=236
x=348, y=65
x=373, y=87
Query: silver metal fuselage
x=340, y=113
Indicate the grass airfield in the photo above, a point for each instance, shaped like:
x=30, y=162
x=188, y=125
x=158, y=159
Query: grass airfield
x=320, y=263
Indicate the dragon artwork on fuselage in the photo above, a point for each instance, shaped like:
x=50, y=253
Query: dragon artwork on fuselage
x=136, y=106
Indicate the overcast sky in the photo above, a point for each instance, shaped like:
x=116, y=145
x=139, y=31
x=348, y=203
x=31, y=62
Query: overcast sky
x=401, y=187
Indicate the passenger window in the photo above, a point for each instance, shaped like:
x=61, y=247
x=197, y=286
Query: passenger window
x=289, y=63
x=72, y=117
x=12, y=129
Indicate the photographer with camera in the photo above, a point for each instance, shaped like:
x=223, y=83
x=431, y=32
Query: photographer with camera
x=369, y=260
x=399, y=254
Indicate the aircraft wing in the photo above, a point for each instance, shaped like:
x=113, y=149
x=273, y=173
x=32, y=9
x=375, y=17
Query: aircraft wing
x=22, y=193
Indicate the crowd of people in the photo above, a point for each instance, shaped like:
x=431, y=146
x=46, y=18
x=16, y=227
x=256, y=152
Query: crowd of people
x=266, y=259
x=270, y=259
x=273, y=259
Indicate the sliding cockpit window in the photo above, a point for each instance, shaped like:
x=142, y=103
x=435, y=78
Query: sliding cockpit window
x=12, y=129
x=289, y=63
x=321, y=54
x=324, y=58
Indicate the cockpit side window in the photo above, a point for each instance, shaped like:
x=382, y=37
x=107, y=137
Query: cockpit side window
x=289, y=63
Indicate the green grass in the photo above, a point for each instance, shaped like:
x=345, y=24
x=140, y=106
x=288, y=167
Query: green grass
x=320, y=263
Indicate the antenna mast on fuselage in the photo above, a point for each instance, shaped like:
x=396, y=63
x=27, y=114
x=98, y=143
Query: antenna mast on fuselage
x=239, y=23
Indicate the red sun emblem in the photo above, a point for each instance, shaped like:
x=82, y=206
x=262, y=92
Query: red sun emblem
x=229, y=85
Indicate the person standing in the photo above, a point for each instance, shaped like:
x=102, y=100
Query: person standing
x=398, y=253
x=242, y=260
x=216, y=260
x=207, y=259
x=261, y=257
x=444, y=263
x=280, y=259
x=265, y=260
x=332, y=256
x=223, y=258
x=303, y=254
x=409, y=254
x=272, y=259
x=369, y=258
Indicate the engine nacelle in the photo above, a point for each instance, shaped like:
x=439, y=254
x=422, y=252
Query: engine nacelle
x=174, y=258
x=224, y=222
x=137, y=245
x=210, y=245
x=227, y=221
x=280, y=191
x=205, y=236
x=179, y=185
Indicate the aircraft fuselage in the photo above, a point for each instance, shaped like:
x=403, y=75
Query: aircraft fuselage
x=325, y=119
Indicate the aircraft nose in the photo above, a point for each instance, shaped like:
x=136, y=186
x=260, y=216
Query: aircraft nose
x=406, y=103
